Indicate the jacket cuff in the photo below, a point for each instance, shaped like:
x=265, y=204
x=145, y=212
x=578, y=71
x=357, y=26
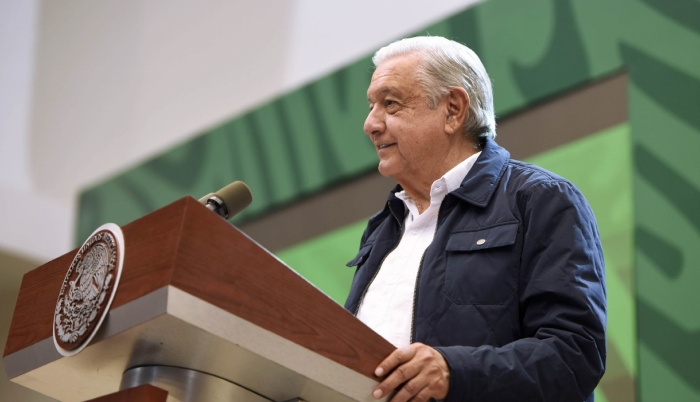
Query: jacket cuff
x=460, y=387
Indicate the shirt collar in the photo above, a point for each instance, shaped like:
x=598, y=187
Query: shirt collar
x=449, y=182
x=477, y=188
x=453, y=178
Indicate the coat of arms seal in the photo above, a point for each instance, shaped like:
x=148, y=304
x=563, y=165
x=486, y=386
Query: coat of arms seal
x=88, y=289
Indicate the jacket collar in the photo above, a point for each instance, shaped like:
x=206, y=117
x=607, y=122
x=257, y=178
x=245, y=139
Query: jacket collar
x=480, y=183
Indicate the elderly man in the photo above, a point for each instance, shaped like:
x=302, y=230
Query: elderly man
x=486, y=273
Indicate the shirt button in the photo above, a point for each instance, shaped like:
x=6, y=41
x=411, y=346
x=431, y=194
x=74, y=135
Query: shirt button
x=480, y=242
x=414, y=232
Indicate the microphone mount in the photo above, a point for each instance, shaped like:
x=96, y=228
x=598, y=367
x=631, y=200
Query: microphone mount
x=217, y=205
x=228, y=201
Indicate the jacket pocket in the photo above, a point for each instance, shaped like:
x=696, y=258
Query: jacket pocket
x=361, y=256
x=481, y=265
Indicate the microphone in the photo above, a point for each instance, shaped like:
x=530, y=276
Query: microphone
x=228, y=201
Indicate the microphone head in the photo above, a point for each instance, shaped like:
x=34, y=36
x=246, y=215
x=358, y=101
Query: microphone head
x=236, y=196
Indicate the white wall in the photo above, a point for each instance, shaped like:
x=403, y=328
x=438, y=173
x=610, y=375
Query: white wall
x=27, y=217
x=89, y=89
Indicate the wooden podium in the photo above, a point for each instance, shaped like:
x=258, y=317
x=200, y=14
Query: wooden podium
x=197, y=295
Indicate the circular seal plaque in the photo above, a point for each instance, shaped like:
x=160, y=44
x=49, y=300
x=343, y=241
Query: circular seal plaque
x=88, y=289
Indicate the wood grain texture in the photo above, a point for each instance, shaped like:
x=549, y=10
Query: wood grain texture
x=187, y=246
x=142, y=393
x=36, y=303
x=244, y=279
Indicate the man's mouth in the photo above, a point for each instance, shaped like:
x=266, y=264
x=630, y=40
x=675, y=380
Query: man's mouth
x=382, y=146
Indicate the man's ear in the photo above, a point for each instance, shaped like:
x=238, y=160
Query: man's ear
x=457, y=110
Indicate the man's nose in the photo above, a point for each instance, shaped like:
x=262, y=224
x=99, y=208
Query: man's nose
x=374, y=123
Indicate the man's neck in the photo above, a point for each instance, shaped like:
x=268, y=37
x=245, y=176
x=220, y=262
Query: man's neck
x=418, y=188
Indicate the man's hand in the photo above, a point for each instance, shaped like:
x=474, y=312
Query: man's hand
x=421, y=369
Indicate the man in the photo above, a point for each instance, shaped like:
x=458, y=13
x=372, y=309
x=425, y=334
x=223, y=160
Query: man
x=485, y=272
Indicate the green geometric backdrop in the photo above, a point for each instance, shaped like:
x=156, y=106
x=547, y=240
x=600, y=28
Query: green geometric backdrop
x=641, y=177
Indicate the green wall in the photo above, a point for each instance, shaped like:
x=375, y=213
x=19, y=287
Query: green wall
x=641, y=177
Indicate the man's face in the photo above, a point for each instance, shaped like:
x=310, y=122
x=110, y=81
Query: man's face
x=409, y=136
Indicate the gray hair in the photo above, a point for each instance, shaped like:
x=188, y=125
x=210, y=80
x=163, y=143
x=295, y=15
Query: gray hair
x=447, y=64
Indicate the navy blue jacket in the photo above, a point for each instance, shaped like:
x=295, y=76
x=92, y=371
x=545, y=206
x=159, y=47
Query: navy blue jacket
x=512, y=289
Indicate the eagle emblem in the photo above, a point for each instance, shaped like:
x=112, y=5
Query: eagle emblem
x=88, y=289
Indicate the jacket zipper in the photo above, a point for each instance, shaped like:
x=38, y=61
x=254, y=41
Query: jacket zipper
x=364, y=292
x=420, y=269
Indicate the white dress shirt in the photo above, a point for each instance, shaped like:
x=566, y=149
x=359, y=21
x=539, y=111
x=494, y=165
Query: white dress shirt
x=387, y=307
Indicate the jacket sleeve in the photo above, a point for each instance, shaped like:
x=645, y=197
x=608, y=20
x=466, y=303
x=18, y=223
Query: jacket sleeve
x=560, y=355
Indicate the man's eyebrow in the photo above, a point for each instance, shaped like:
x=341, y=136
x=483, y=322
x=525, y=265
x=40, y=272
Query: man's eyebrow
x=389, y=90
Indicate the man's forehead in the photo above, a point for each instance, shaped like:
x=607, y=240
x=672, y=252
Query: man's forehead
x=394, y=76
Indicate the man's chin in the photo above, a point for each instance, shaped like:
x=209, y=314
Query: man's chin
x=386, y=170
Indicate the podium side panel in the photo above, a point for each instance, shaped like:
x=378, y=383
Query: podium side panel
x=244, y=279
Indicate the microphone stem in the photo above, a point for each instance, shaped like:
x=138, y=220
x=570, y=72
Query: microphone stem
x=217, y=205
